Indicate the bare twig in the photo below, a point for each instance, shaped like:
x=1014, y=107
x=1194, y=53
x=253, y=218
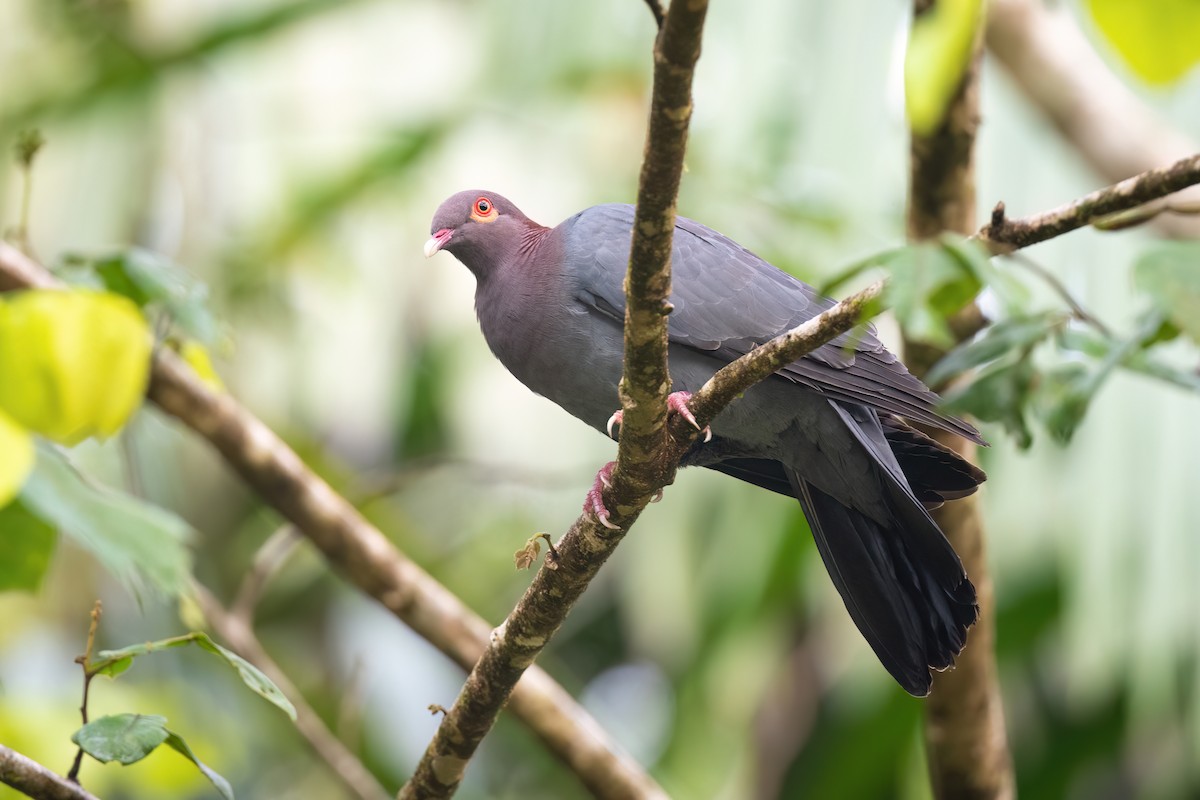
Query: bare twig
x=270, y=556
x=657, y=10
x=84, y=661
x=237, y=631
x=965, y=738
x=1004, y=235
x=33, y=780
x=1077, y=310
x=644, y=464
x=364, y=556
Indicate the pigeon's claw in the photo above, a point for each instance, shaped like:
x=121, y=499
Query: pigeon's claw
x=594, y=502
x=615, y=419
x=677, y=402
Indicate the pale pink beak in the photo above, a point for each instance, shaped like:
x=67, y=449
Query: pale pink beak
x=438, y=241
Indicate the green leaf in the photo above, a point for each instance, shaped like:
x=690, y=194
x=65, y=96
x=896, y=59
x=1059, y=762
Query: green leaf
x=114, y=662
x=148, y=278
x=26, y=545
x=939, y=50
x=1006, y=336
x=125, y=738
x=929, y=283
x=1170, y=274
x=259, y=683
x=1090, y=343
x=75, y=363
x=176, y=742
x=16, y=457
x=998, y=394
x=136, y=541
x=1158, y=39
x=1062, y=398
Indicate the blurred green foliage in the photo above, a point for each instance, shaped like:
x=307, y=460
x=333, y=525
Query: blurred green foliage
x=290, y=154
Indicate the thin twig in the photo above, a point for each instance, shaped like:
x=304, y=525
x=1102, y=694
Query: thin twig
x=238, y=633
x=85, y=661
x=269, y=558
x=657, y=10
x=34, y=780
x=1003, y=235
x=1080, y=313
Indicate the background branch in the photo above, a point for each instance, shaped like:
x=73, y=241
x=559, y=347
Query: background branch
x=32, y=779
x=965, y=738
x=363, y=555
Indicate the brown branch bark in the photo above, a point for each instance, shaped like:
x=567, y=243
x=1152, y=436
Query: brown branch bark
x=1058, y=69
x=34, y=780
x=1004, y=235
x=363, y=555
x=645, y=461
x=239, y=635
x=965, y=735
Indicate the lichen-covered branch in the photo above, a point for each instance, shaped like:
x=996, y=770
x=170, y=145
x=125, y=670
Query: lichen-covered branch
x=965, y=737
x=364, y=556
x=1004, y=235
x=647, y=456
x=34, y=780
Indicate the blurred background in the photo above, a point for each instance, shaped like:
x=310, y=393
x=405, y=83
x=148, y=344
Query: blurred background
x=291, y=154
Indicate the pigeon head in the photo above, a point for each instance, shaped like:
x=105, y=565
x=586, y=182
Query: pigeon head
x=482, y=229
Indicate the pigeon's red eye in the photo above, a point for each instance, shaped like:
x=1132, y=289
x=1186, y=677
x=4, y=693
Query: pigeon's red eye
x=484, y=210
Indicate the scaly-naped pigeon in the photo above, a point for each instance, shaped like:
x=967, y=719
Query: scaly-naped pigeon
x=830, y=429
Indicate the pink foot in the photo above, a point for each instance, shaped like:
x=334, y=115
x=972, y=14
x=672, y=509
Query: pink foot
x=677, y=402
x=594, y=502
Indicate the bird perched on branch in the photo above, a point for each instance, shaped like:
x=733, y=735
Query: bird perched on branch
x=830, y=429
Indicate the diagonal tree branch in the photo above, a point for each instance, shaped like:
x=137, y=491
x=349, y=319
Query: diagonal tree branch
x=645, y=462
x=34, y=780
x=363, y=555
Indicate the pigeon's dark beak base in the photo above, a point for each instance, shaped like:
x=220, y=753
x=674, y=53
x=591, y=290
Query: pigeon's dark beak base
x=438, y=241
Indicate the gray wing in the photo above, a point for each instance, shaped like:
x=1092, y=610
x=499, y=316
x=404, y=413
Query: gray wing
x=728, y=301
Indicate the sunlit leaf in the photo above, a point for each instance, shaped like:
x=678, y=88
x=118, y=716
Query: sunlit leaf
x=1158, y=39
x=26, y=545
x=176, y=742
x=1003, y=337
x=939, y=50
x=125, y=738
x=75, y=363
x=16, y=457
x=136, y=541
x=1170, y=274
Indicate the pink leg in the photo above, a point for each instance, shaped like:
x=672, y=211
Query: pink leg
x=594, y=502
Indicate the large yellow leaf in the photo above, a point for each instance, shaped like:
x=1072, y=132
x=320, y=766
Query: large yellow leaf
x=74, y=363
x=1158, y=39
x=16, y=457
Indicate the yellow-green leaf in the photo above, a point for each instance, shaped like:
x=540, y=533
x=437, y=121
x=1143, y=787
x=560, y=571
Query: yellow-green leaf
x=1158, y=39
x=939, y=50
x=197, y=357
x=16, y=457
x=75, y=363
